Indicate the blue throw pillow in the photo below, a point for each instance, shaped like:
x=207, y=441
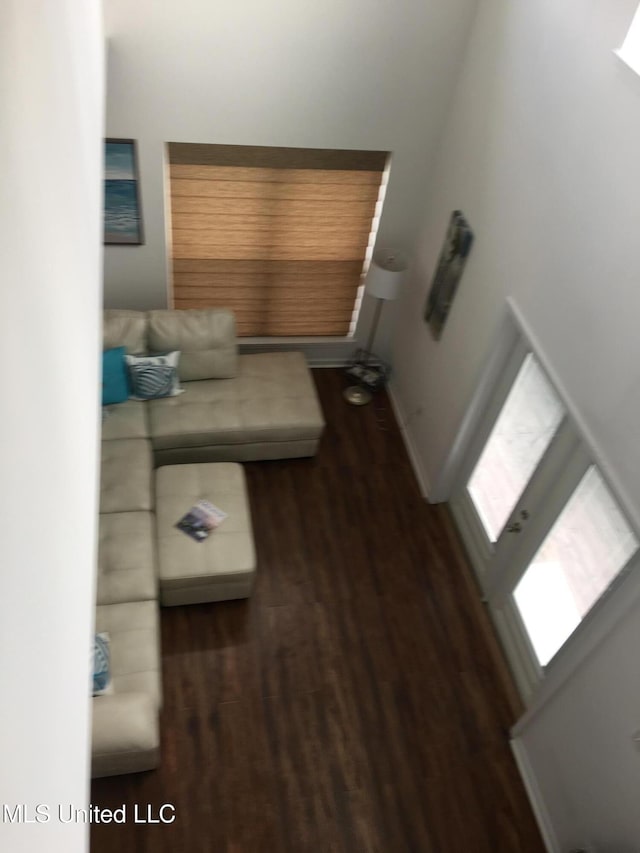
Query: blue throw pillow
x=115, y=384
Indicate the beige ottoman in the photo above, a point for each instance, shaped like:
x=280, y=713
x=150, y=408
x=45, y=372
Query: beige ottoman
x=221, y=567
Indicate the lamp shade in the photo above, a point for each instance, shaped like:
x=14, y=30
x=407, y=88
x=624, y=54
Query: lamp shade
x=385, y=274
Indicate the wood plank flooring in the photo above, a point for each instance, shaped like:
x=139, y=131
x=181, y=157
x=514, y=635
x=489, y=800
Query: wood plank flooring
x=358, y=702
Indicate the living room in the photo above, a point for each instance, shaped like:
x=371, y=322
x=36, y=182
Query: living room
x=523, y=118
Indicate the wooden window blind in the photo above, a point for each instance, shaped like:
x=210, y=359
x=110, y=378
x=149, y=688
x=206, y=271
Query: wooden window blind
x=279, y=235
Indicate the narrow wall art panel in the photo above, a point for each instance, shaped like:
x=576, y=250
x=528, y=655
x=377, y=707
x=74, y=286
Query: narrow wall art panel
x=122, y=211
x=453, y=257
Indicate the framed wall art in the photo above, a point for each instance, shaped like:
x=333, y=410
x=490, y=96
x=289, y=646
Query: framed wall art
x=453, y=257
x=122, y=209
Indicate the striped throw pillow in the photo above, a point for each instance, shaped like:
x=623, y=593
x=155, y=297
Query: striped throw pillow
x=153, y=376
x=101, y=665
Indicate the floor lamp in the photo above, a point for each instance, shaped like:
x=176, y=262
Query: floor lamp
x=383, y=282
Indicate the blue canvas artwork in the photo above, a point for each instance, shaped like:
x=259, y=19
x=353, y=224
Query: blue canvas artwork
x=122, y=216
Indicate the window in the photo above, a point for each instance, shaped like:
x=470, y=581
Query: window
x=279, y=235
x=586, y=549
x=630, y=50
x=525, y=427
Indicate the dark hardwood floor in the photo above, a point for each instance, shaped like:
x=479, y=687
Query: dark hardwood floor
x=358, y=702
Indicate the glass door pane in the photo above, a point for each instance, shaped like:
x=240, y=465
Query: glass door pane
x=522, y=433
x=588, y=546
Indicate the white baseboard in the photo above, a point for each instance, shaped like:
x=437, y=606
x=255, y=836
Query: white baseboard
x=319, y=352
x=535, y=797
x=326, y=362
x=414, y=456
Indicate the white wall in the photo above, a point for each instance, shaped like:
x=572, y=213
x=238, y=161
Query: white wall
x=324, y=75
x=581, y=750
x=51, y=77
x=541, y=153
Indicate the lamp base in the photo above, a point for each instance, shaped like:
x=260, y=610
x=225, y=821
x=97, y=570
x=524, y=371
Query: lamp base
x=368, y=370
x=357, y=396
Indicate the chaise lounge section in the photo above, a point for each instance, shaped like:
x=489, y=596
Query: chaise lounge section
x=234, y=407
x=269, y=410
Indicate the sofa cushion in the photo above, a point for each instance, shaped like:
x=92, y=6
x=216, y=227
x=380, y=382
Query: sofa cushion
x=125, y=480
x=125, y=734
x=272, y=398
x=122, y=328
x=126, y=564
x=133, y=630
x=126, y=420
x=206, y=338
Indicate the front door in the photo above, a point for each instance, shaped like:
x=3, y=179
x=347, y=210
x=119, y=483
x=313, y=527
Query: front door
x=544, y=533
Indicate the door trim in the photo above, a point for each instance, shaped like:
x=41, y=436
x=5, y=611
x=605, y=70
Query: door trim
x=502, y=344
x=545, y=824
x=516, y=645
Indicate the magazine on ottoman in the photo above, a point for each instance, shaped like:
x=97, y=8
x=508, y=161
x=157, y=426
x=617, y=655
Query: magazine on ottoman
x=201, y=520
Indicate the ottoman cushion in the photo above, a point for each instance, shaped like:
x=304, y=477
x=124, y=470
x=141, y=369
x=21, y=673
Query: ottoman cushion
x=221, y=567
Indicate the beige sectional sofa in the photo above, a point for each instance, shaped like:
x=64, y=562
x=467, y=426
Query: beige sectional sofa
x=234, y=408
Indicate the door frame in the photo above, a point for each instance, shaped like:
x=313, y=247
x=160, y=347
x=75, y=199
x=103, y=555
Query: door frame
x=500, y=565
x=537, y=685
x=490, y=560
